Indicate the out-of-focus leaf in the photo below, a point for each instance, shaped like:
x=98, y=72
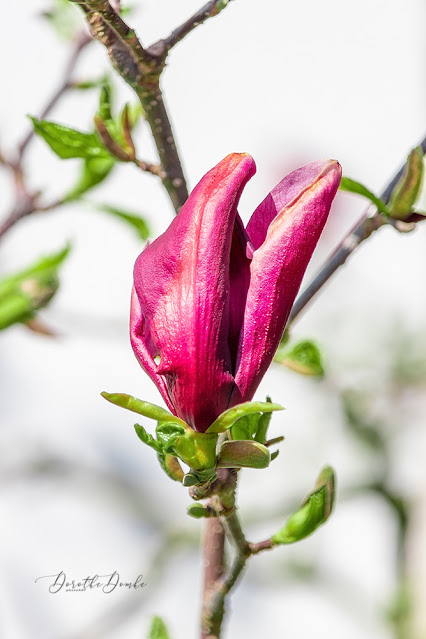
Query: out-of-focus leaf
x=314, y=511
x=69, y=143
x=64, y=18
x=158, y=629
x=25, y=292
x=93, y=172
x=352, y=186
x=304, y=357
x=406, y=192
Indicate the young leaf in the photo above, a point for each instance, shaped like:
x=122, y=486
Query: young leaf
x=64, y=19
x=94, y=171
x=304, y=357
x=152, y=411
x=167, y=434
x=132, y=219
x=406, y=192
x=230, y=416
x=314, y=511
x=356, y=187
x=69, y=143
x=148, y=439
x=158, y=629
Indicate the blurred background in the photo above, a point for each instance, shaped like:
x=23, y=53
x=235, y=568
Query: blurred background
x=287, y=83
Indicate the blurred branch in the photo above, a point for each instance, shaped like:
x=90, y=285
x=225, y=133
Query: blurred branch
x=212, y=8
x=364, y=228
x=27, y=201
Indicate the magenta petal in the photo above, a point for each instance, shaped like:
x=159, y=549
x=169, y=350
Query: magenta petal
x=182, y=284
x=281, y=196
x=239, y=280
x=278, y=266
x=144, y=348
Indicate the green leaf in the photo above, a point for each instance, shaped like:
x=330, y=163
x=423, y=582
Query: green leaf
x=64, y=18
x=69, y=143
x=158, y=629
x=356, y=187
x=407, y=190
x=148, y=439
x=304, y=357
x=230, y=416
x=132, y=219
x=25, y=292
x=167, y=434
x=314, y=511
x=94, y=171
x=243, y=454
x=198, y=511
x=152, y=411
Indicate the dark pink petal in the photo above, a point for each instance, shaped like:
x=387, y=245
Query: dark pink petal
x=278, y=266
x=182, y=284
x=144, y=348
x=289, y=188
x=239, y=279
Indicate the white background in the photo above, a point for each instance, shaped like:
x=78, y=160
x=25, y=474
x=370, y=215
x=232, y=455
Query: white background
x=289, y=83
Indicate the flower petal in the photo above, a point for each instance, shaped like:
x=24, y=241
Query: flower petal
x=289, y=188
x=278, y=266
x=182, y=284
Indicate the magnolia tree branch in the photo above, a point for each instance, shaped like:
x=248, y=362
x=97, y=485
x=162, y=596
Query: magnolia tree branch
x=364, y=228
x=141, y=69
x=209, y=10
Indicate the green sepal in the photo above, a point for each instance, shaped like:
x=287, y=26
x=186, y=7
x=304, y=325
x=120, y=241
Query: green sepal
x=158, y=629
x=167, y=434
x=304, y=357
x=407, y=190
x=352, y=186
x=230, y=416
x=69, y=143
x=152, y=411
x=170, y=465
x=314, y=511
x=253, y=426
x=148, y=439
x=204, y=476
x=25, y=292
x=197, y=450
x=243, y=454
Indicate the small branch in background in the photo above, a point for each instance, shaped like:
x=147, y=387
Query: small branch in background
x=353, y=239
x=27, y=202
x=212, y=8
x=81, y=42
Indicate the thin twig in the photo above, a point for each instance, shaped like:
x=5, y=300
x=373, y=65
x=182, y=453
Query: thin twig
x=26, y=201
x=353, y=239
x=212, y=8
x=82, y=40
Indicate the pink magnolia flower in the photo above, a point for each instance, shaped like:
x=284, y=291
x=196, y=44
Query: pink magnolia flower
x=211, y=299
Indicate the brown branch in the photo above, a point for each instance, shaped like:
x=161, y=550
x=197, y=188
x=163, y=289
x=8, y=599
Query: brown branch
x=212, y=8
x=122, y=30
x=365, y=227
